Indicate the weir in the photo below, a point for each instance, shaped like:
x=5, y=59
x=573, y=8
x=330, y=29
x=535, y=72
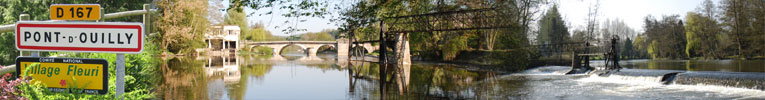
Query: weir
x=747, y=80
x=581, y=58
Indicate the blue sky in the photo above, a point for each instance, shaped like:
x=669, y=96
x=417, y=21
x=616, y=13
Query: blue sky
x=573, y=11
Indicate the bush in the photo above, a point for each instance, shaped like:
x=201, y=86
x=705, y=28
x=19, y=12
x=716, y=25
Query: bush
x=8, y=88
x=140, y=78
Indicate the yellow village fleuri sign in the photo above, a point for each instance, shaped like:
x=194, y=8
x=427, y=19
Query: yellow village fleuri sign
x=59, y=74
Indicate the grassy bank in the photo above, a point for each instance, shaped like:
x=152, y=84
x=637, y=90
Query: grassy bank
x=505, y=60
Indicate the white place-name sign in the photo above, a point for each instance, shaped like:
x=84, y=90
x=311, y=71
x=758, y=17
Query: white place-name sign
x=80, y=36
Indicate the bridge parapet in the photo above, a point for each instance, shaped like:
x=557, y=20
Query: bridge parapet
x=311, y=47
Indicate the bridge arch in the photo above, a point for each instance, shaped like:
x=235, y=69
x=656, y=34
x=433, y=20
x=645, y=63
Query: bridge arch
x=334, y=46
x=281, y=48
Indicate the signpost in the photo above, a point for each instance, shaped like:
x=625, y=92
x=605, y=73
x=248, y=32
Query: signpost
x=62, y=73
x=109, y=37
x=80, y=36
x=75, y=12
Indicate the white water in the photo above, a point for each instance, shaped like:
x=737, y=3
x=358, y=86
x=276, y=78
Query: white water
x=550, y=83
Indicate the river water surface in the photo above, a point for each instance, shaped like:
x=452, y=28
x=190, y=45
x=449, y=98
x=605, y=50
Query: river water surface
x=296, y=77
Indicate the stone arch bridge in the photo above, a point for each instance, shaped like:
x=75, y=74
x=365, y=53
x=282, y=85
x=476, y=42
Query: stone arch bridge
x=312, y=47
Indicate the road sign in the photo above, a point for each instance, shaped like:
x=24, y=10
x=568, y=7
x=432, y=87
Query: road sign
x=62, y=73
x=75, y=12
x=80, y=36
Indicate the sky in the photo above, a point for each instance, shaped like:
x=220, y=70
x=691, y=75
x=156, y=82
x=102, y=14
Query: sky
x=631, y=12
x=274, y=23
x=574, y=13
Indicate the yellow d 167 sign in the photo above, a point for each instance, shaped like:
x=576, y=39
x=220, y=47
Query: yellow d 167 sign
x=62, y=73
x=75, y=12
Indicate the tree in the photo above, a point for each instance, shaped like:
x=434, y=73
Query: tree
x=592, y=22
x=317, y=36
x=666, y=37
x=627, y=49
x=579, y=35
x=215, y=15
x=295, y=9
x=745, y=22
x=616, y=27
x=236, y=17
x=552, y=28
x=640, y=44
x=257, y=32
x=701, y=33
x=181, y=25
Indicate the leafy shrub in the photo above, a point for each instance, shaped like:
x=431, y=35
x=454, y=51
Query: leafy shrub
x=8, y=90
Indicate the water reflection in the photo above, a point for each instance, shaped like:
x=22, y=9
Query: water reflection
x=295, y=77
x=248, y=77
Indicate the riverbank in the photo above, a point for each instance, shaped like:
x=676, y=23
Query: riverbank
x=500, y=61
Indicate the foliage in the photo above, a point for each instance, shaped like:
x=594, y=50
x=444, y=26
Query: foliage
x=181, y=25
x=453, y=46
x=140, y=77
x=8, y=52
x=361, y=21
x=324, y=35
x=552, y=28
x=745, y=23
x=627, y=50
x=514, y=60
x=666, y=37
x=640, y=45
x=616, y=27
x=256, y=33
x=295, y=9
x=8, y=86
x=701, y=32
x=236, y=17
x=258, y=50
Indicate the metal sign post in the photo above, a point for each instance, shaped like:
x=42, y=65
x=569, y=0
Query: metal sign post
x=120, y=81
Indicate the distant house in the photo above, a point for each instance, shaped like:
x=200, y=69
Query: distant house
x=223, y=38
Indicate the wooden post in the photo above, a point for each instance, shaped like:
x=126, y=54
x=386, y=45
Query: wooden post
x=146, y=19
x=586, y=59
x=575, y=62
x=615, y=55
x=382, y=61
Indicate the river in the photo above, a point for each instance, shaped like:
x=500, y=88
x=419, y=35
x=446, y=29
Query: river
x=297, y=77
